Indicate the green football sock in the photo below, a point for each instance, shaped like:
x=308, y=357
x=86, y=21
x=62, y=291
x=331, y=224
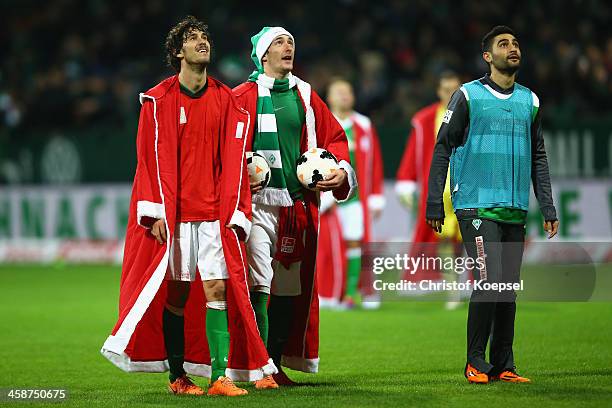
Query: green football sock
x=259, y=300
x=218, y=341
x=174, y=339
x=353, y=271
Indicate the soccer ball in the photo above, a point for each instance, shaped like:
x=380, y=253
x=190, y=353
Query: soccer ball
x=258, y=168
x=314, y=166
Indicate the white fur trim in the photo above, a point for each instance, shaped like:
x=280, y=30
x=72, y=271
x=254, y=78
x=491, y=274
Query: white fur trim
x=240, y=220
x=238, y=217
x=266, y=39
x=200, y=370
x=279, y=197
x=126, y=364
x=251, y=375
x=311, y=128
x=406, y=187
x=149, y=209
x=328, y=303
x=117, y=343
x=327, y=201
x=306, y=365
x=352, y=180
x=376, y=202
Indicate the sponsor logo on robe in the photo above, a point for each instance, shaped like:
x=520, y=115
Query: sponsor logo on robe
x=288, y=245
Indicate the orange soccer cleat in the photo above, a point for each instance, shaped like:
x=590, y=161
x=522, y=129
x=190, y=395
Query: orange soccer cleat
x=512, y=377
x=184, y=385
x=225, y=386
x=266, y=383
x=474, y=376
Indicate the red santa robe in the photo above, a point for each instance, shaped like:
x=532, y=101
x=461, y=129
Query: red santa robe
x=370, y=177
x=137, y=342
x=413, y=175
x=331, y=255
x=320, y=129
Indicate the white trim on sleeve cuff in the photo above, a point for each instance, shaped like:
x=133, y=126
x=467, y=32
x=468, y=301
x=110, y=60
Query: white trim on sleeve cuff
x=352, y=180
x=327, y=201
x=151, y=210
x=376, y=202
x=405, y=187
x=240, y=220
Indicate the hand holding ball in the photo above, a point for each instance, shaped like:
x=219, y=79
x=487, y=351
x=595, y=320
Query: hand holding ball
x=315, y=165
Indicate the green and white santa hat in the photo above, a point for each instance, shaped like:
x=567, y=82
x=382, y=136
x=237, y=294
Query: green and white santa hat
x=261, y=42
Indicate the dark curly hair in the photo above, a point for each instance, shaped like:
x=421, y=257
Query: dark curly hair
x=176, y=38
x=487, y=40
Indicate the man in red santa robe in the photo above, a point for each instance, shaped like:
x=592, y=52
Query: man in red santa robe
x=331, y=259
x=189, y=211
x=356, y=214
x=413, y=174
x=289, y=118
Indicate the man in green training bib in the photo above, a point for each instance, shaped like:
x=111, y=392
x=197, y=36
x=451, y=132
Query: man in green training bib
x=492, y=134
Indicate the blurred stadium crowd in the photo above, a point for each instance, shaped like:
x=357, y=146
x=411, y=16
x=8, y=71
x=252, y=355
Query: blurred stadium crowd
x=80, y=63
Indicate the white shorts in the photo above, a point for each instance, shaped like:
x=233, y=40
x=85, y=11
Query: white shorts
x=266, y=274
x=351, y=220
x=196, y=244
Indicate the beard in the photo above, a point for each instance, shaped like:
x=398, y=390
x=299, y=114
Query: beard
x=199, y=64
x=503, y=65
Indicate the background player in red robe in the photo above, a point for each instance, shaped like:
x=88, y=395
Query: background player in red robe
x=190, y=204
x=331, y=259
x=357, y=213
x=413, y=174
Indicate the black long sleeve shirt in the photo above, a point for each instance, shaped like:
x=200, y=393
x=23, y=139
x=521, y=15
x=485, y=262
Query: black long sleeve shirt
x=454, y=132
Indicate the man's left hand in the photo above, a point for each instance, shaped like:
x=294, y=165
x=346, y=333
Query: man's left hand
x=333, y=181
x=551, y=227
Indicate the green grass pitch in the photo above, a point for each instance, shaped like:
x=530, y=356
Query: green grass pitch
x=53, y=321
